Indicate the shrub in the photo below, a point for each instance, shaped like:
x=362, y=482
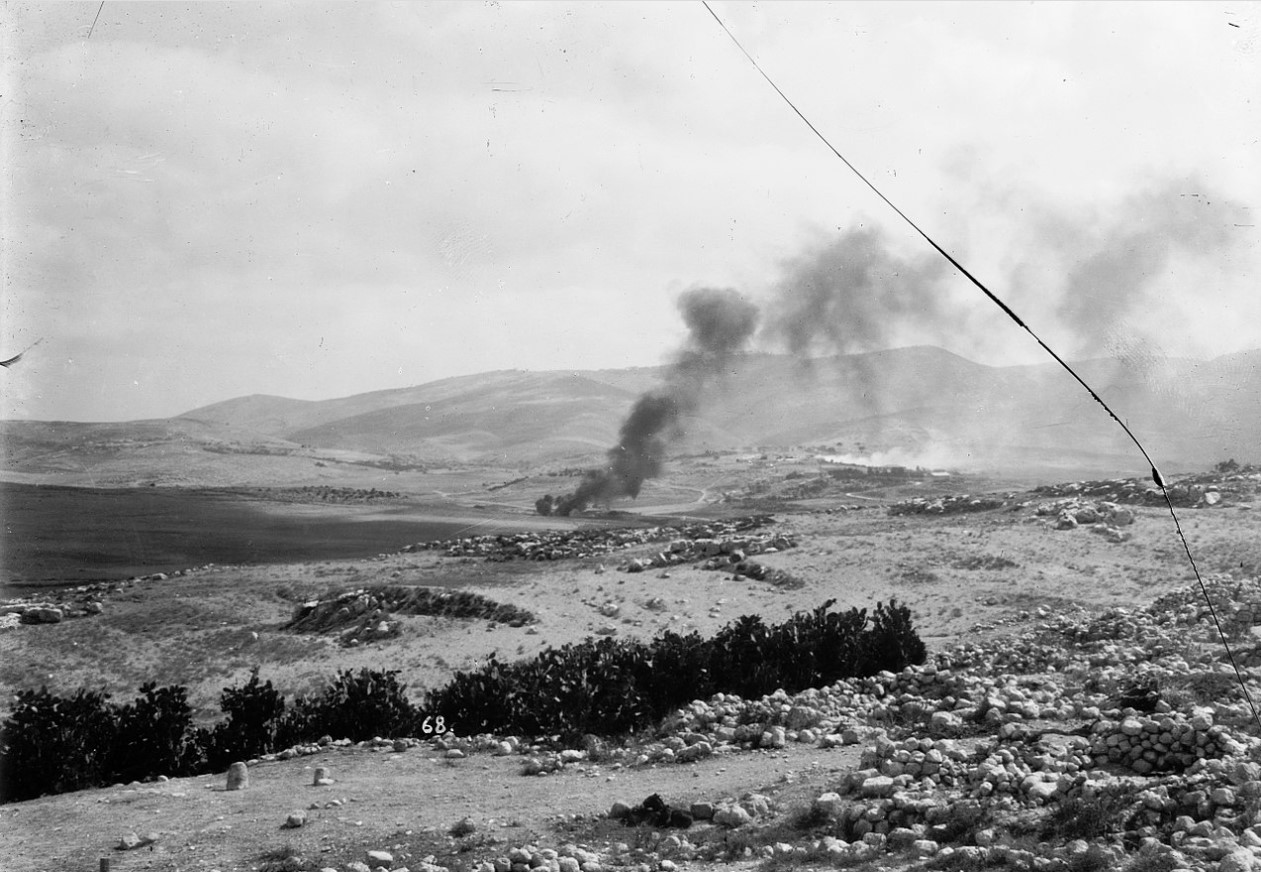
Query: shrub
x=354, y=706
x=150, y=734
x=892, y=642
x=254, y=712
x=51, y=744
x=616, y=686
x=1081, y=819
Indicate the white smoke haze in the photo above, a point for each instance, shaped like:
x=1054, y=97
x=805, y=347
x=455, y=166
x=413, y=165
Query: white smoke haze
x=1164, y=262
x=929, y=457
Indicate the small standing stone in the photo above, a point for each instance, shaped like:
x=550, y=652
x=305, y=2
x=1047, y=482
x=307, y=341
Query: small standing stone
x=321, y=777
x=238, y=777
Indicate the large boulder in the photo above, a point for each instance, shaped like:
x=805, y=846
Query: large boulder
x=42, y=615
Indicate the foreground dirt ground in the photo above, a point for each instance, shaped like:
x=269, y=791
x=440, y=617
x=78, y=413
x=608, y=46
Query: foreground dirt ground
x=966, y=577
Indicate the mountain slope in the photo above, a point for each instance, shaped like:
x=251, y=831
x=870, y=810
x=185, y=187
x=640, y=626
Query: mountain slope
x=918, y=403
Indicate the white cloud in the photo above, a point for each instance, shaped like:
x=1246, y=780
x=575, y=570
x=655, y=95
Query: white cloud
x=328, y=198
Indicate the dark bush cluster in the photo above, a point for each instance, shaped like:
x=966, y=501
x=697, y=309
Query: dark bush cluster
x=615, y=686
x=51, y=744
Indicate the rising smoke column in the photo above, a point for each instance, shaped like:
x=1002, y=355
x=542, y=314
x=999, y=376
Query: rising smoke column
x=1117, y=264
x=853, y=294
x=720, y=323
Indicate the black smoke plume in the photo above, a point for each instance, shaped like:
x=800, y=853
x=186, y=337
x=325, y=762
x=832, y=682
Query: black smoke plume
x=854, y=294
x=720, y=323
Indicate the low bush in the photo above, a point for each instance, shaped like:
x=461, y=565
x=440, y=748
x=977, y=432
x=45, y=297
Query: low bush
x=616, y=686
x=254, y=712
x=51, y=744
x=354, y=706
x=151, y=734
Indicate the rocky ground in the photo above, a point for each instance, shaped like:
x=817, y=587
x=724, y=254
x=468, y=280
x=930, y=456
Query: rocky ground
x=1079, y=731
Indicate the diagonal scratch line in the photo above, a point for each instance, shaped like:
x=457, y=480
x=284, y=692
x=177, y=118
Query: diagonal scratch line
x=94, y=20
x=1156, y=477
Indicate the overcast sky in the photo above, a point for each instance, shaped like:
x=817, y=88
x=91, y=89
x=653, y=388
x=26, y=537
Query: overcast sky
x=208, y=200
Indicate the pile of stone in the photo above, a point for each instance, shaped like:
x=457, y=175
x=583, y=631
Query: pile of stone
x=1188, y=492
x=79, y=601
x=1171, y=741
x=1102, y=517
x=1237, y=604
x=728, y=555
x=949, y=504
x=23, y=611
x=583, y=543
x=362, y=615
x=567, y=857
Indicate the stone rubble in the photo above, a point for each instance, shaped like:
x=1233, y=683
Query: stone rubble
x=1199, y=490
x=556, y=545
x=727, y=554
x=949, y=504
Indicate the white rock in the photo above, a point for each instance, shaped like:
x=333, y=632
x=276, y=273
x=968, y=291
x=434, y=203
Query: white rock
x=1237, y=859
x=877, y=786
x=732, y=816
x=830, y=804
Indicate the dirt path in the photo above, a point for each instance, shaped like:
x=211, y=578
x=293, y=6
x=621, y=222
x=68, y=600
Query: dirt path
x=388, y=800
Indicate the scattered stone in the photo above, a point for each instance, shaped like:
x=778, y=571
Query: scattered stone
x=702, y=810
x=296, y=819
x=653, y=811
x=830, y=804
x=877, y=786
x=731, y=816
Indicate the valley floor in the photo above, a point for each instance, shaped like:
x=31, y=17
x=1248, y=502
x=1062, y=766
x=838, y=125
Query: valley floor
x=981, y=577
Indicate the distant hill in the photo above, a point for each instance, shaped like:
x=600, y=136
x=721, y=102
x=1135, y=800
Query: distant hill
x=912, y=405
